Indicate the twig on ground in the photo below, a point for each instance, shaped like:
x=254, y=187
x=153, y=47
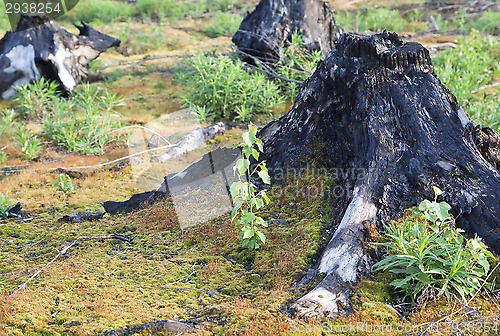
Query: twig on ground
x=195, y=289
x=140, y=97
x=18, y=168
x=63, y=251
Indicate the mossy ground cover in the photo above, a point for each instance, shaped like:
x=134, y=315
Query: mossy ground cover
x=109, y=284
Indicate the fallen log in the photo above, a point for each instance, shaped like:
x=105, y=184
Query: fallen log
x=42, y=48
x=264, y=31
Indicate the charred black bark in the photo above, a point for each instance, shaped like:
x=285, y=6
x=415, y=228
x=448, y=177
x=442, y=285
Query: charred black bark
x=263, y=32
x=42, y=48
x=375, y=107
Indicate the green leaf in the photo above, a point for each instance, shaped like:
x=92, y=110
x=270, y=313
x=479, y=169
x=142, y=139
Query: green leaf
x=257, y=202
x=260, y=221
x=437, y=191
x=442, y=211
x=247, y=151
x=247, y=217
x=259, y=144
x=255, y=154
x=248, y=233
x=261, y=236
x=248, y=138
x=424, y=205
x=265, y=177
x=242, y=165
x=252, y=129
x=235, y=189
x=265, y=197
x=234, y=213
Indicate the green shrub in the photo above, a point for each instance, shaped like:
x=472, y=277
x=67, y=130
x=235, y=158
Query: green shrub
x=173, y=9
x=220, y=84
x=6, y=119
x=84, y=121
x=160, y=9
x=298, y=64
x=97, y=12
x=29, y=143
x=35, y=98
x=426, y=250
x=373, y=20
x=65, y=185
x=245, y=198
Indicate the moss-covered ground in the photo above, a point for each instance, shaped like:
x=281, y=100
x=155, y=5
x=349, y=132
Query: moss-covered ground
x=200, y=274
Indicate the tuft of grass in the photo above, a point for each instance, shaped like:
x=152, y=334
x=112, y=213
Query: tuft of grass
x=218, y=85
x=34, y=98
x=175, y=10
x=224, y=24
x=6, y=120
x=29, y=143
x=298, y=64
x=96, y=12
x=5, y=206
x=83, y=121
x=377, y=19
x=467, y=68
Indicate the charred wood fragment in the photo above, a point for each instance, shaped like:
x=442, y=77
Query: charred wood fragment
x=42, y=48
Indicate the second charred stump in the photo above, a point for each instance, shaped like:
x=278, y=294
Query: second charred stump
x=264, y=31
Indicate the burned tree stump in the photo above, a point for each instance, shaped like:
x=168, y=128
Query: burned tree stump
x=42, y=48
x=375, y=107
x=263, y=32
x=375, y=110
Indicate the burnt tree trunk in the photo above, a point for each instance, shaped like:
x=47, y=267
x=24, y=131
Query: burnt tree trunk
x=42, y=48
x=375, y=110
x=374, y=107
x=263, y=32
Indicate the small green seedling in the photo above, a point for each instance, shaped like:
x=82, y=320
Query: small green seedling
x=245, y=198
x=5, y=206
x=65, y=185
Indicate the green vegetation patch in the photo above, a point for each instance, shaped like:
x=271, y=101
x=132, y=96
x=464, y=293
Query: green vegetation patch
x=468, y=71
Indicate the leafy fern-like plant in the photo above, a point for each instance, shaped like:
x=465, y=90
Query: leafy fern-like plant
x=426, y=250
x=246, y=200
